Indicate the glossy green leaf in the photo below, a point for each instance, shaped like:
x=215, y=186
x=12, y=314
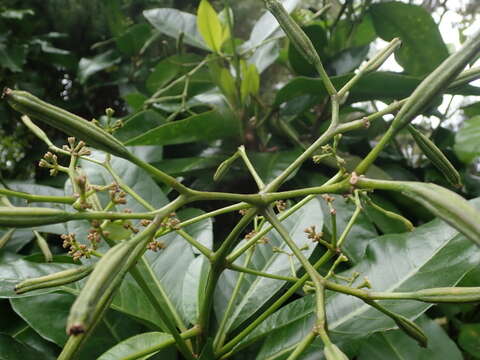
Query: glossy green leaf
x=422, y=46
x=31, y=338
x=141, y=346
x=173, y=22
x=467, y=140
x=194, y=287
x=88, y=67
x=12, y=349
x=204, y=127
x=395, y=345
x=209, y=26
x=13, y=58
x=250, y=81
x=270, y=165
x=182, y=166
x=433, y=255
x=138, y=124
x=351, y=35
x=133, y=39
x=256, y=291
x=469, y=339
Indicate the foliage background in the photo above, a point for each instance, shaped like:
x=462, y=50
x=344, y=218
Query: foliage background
x=87, y=56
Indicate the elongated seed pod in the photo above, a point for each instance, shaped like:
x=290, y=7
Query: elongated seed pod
x=19, y=217
x=411, y=329
x=449, y=295
x=445, y=204
x=65, y=121
x=437, y=81
x=224, y=166
x=436, y=156
x=103, y=279
x=294, y=32
x=52, y=280
x=332, y=352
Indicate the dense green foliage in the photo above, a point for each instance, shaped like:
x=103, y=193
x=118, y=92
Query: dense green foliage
x=225, y=106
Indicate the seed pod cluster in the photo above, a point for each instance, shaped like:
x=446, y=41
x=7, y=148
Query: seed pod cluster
x=65, y=121
x=436, y=156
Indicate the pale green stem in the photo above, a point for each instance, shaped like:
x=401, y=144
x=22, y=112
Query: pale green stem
x=250, y=167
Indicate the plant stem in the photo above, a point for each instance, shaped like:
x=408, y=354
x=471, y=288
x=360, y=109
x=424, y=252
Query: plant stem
x=302, y=345
x=38, y=198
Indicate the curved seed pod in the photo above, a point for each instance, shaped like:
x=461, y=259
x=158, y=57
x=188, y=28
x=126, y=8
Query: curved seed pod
x=5, y=238
x=52, y=280
x=36, y=130
x=332, y=352
x=224, y=166
x=445, y=204
x=436, y=156
x=19, y=217
x=449, y=295
x=65, y=121
x=103, y=280
x=407, y=224
x=294, y=32
x=299, y=39
x=411, y=329
x=437, y=81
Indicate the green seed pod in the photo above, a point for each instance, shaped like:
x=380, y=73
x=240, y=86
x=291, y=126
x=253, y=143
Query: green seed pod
x=436, y=156
x=437, y=81
x=19, y=217
x=52, y=280
x=411, y=329
x=449, y=295
x=65, y=121
x=224, y=166
x=407, y=224
x=445, y=204
x=332, y=352
x=294, y=32
x=103, y=280
x=6, y=237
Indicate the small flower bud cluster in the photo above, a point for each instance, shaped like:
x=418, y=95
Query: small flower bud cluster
x=312, y=234
x=281, y=205
x=76, y=250
x=118, y=196
x=262, y=240
x=156, y=245
x=77, y=149
x=171, y=222
x=50, y=161
x=330, y=199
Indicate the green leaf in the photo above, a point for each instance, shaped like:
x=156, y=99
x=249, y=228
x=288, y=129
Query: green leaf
x=256, y=291
x=395, y=345
x=270, y=165
x=469, y=339
x=182, y=166
x=139, y=124
x=13, y=58
x=88, y=67
x=29, y=337
x=14, y=350
x=194, y=287
x=433, y=255
x=422, y=46
x=250, y=81
x=173, y=22
x=209, y=26
x=141, y=346
x=467, y=140
x=349, y=34
x=207, y=126
x=131, y=41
